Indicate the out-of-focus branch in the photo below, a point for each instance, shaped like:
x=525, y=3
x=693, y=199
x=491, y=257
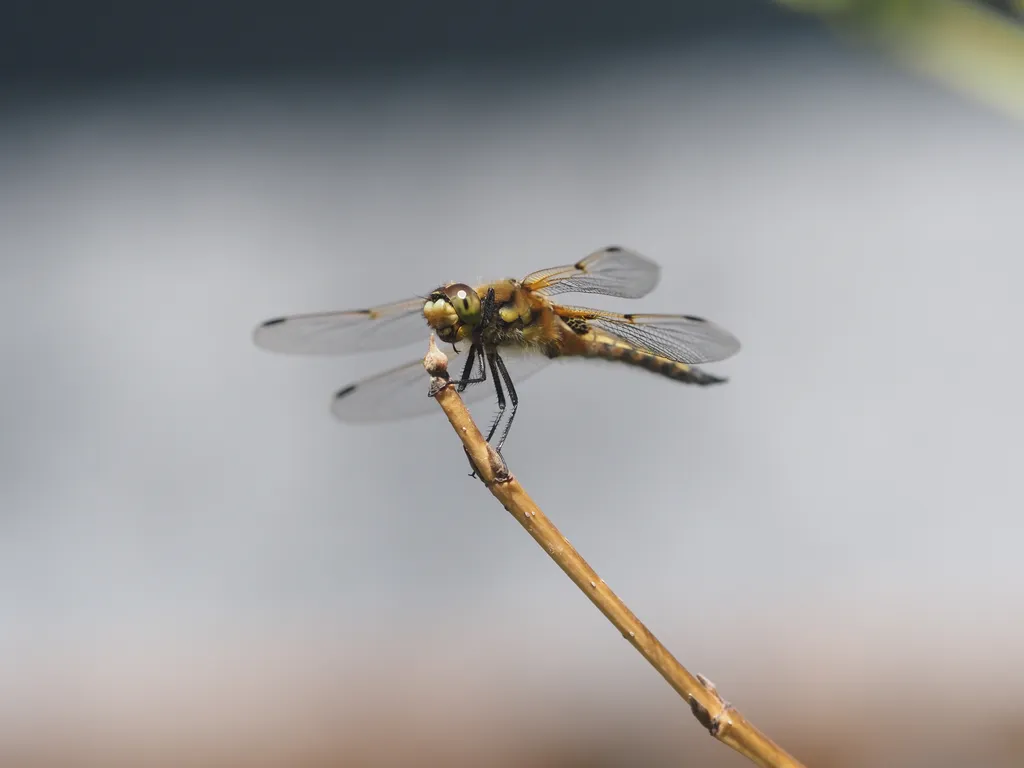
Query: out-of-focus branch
x=722, y=720
x=965, y=43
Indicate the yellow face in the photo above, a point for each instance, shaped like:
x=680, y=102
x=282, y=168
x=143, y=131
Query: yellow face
x=453, y=311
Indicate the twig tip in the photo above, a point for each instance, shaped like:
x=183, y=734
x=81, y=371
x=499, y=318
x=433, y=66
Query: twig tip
x=436, y=361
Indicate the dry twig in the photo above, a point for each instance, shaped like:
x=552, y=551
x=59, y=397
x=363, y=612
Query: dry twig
x=722, y=720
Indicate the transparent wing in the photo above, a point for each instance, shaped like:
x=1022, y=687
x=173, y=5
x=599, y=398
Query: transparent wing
x=684, y=338
x=612, y=271
x=401, y=392
x=339, y=333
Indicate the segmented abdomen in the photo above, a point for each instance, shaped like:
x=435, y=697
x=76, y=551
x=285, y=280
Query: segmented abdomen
x=619, y=352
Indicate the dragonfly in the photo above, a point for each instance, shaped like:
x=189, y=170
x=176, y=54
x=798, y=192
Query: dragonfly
x=509, y=329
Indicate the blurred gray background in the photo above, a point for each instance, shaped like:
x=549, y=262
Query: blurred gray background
x=198, y=564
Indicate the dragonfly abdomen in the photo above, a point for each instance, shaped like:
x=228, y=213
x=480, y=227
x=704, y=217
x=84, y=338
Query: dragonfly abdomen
x=672, y=369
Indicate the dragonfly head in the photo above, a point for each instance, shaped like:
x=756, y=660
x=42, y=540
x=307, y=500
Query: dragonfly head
x=453, y=311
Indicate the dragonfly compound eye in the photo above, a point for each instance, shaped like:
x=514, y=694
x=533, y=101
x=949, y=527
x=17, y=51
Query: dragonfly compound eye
x=465, y=301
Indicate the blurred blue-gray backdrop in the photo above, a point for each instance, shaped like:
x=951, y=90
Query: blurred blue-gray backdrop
x=198, y=562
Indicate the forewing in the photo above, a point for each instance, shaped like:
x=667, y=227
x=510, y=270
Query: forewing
x=401, y=392
x=612, y=271
x=388, y=326
x=684, y=338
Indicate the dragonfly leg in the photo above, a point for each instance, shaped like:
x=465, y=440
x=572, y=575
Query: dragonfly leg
x=494, y=361
x=487, y=307
x=467, y=377
x=501, y=398
x=496, y=358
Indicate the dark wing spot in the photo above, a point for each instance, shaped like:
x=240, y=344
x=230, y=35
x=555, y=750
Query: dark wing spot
x=613, y=248
x=346, y=391
x=694, y=319
x=629, y=317
x=275, y=321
